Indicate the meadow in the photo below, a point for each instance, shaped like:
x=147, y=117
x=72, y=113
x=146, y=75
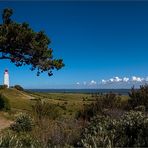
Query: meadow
x=23, y=101
x=72, y=102
x=39, y=119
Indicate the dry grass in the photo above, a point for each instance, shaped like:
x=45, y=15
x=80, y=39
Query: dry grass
x=4, y=122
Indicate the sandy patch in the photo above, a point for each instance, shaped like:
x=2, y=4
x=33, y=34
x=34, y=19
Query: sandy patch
x=4, y=123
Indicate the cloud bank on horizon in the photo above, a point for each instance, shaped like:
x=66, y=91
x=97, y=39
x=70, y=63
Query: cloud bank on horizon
x=124, y=79
x=115, y=82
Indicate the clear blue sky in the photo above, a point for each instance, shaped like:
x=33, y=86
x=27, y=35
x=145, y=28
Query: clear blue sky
x=97, y=40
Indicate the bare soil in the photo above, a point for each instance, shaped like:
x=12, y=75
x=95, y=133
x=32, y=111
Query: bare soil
x=4, y=123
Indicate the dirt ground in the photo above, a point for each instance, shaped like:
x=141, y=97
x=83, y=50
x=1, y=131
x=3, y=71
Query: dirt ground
x=4, y=123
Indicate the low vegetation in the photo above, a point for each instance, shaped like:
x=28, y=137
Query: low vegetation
x=23, y=123
x=4, y=103
x=138, y=97
x=128, y=131
x=18, y=87
x=102, y=104
x=3, y=87
x=79, y=120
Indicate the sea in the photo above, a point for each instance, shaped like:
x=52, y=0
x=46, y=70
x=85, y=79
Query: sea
x=84, y=91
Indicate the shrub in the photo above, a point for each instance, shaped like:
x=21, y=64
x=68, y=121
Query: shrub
x=128, y=131
x=4, y=103
x=43, y=109
x=138, y=97
x=23, y=123
x=140, y=108
x=65, y=103
x=84, y=99
x=102, y=102
x=3, y=86
x=58, y=133
x=18, y=87
x=11, y=140
x=99, y=133
x=133, y=130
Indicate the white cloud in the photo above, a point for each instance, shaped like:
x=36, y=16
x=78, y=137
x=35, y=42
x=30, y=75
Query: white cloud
x=117, y=79
x=111, y=80
x=125, y=79
x=92, y=82
x=78, y=83
x=103, y=81
x=136, y=79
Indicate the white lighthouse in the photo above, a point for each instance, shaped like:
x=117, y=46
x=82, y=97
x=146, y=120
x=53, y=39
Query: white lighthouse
x=6, y=78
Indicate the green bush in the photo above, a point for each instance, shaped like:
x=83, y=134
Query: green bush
x=4, y=103
x=23, y=123
x=3, y=86
x=138, y=97
x=99, y=132
x=43, y=109
x=102, y=102
x=16, y=140
x=140, y=108
x=133, y=130
x=18, y=87
x=128, y=131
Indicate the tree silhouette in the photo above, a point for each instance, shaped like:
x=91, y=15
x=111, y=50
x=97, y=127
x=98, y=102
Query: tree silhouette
x=23, y=46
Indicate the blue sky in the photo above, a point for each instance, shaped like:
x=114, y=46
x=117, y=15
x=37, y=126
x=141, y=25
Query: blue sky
x=97, y=40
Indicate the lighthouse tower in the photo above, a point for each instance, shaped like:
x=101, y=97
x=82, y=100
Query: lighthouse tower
x=6, y=78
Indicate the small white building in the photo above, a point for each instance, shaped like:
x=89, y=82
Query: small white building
x=6, y=78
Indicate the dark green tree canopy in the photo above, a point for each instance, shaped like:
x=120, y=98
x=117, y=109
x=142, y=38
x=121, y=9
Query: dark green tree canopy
x=23, y=46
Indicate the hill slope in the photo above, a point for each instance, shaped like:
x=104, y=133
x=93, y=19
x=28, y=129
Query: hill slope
x=18, y=99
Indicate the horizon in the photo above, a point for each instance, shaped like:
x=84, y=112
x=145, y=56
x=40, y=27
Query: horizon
x=104, y=45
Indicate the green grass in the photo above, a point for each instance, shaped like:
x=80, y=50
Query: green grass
x=62, y=96
x=70, y=102
x=18, y=100
x=22, y=101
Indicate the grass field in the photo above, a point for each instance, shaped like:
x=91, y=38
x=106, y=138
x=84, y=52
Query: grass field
x=62, y=116
x=70, y=103
x=20, y=100
x=23, y=101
